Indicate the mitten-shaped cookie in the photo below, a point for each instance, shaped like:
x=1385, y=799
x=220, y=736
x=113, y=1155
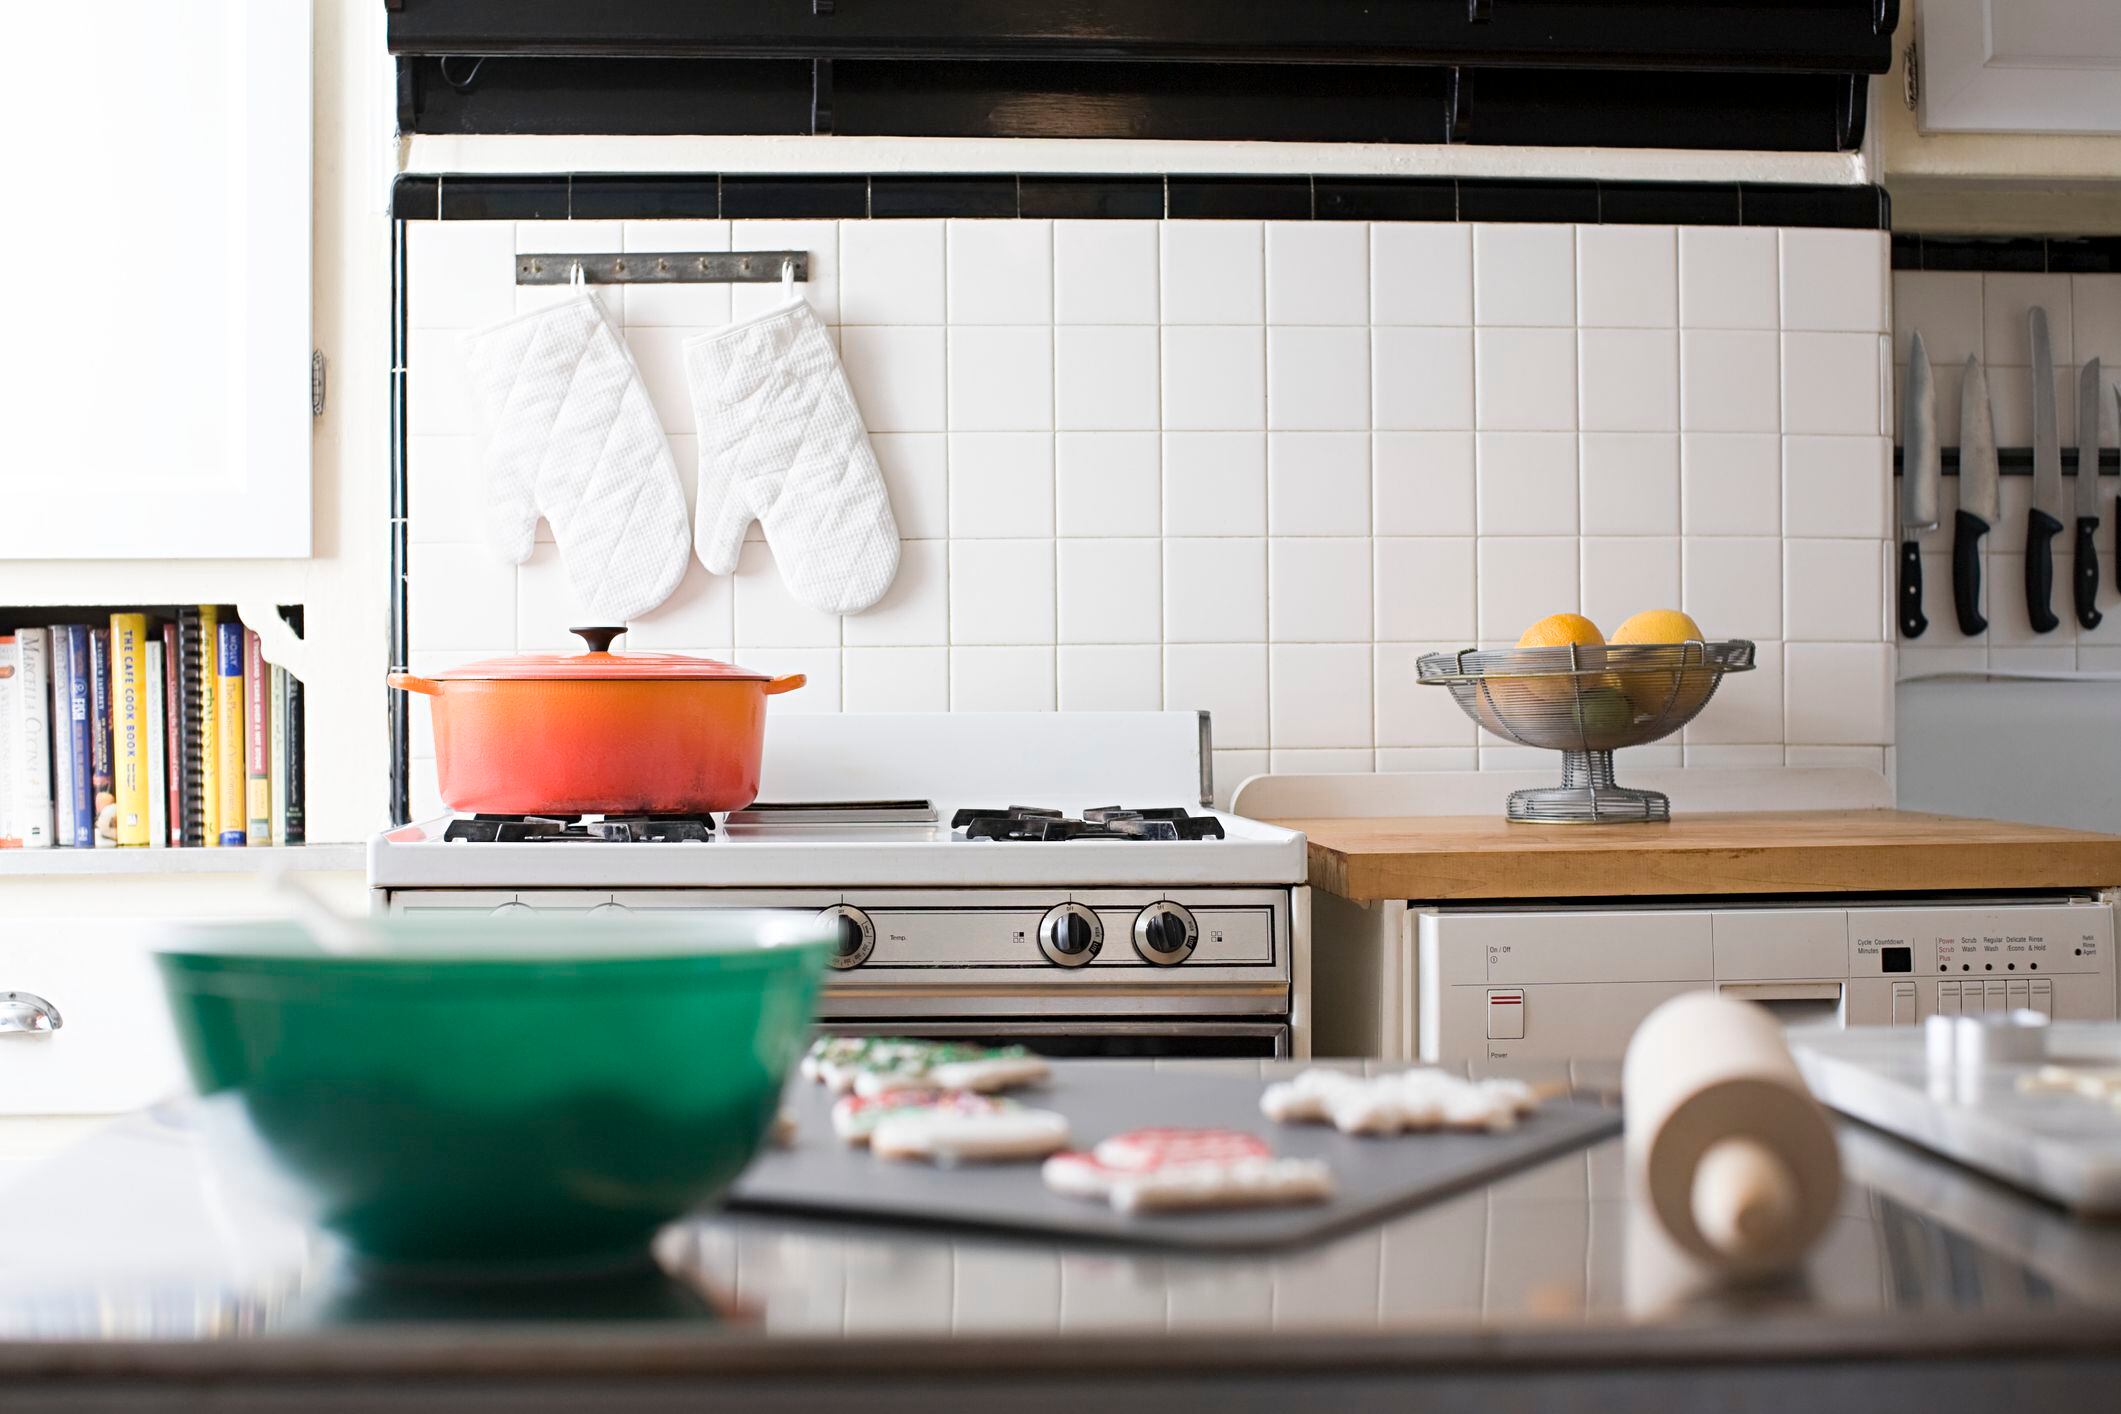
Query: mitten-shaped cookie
x=571, y=436
x=781, y=442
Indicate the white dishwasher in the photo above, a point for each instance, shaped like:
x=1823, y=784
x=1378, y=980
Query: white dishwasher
x=1571, y=982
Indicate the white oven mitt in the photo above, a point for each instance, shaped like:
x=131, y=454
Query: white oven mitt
x=782, y=442
x=571, y=436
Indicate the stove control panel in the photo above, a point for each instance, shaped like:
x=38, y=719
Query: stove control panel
x=1165, y=933
x=855, y=936
x=1070, y=935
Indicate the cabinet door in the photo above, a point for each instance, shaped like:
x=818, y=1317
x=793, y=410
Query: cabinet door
x=2020, y=66
x=157, y=250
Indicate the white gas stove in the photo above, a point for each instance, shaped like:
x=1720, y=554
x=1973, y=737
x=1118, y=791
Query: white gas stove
x=1038, y=877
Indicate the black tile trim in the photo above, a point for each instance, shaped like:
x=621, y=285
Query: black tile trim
x=1179, y=196
x=2060, y=255
x=1091, y=198
x=397, y=711
x=942, y=195
x=416, y=198
x=649, y=197
x=1261, y=198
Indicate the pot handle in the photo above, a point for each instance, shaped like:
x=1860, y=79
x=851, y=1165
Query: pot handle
x=409, y=683
x=785, y=684
x=598, y=639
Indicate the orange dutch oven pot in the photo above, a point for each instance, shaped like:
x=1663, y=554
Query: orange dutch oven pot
x=598, y=732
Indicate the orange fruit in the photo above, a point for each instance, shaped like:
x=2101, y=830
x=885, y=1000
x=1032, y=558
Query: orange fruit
x=1562, y=631
x=1655, y=692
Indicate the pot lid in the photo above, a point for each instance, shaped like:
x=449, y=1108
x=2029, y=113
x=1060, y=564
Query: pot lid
x=600, y=663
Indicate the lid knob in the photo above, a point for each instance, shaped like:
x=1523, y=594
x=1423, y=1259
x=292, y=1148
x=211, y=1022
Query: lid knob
x=598, y=639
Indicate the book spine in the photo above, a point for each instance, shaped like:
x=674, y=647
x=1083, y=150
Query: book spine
x=10, y=670
x=192, y=825
x=33, y=738
x=293, y=830
x=172, y=737
x=276, y=750
x=99, y=743
x=62, y=756
x=209, y=691
x=128, y=668
x=257, y=742
x=152, y=697
x=229, y=766
x=80, y=748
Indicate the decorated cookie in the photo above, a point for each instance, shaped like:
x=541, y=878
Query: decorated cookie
x=948, y=1067
x=951, y=1136
x=1405, y=1101
x=1169, y=1170
x=856, y=1117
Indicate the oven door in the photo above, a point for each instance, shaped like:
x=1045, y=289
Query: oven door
x=1070, y=1038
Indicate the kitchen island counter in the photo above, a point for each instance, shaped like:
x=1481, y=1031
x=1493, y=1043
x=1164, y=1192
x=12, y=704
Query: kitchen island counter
x=1470, y=857
x=131, y=1278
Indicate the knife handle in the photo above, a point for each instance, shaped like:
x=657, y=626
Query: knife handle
x=1912, y=622
x=2040, y=532
x=1966, y=572
x=2085, y=577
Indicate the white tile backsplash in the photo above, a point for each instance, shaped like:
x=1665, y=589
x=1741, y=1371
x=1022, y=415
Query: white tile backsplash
x=1214, y=272
x=1260, y=468
x=1524, y=274
x=1107, y=483
x=1105, y=272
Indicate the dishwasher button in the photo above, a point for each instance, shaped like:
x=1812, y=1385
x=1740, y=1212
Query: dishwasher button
x=2018, y=994
x=1506, y=1015
x=1903, y=1004
x=1947, y=999
x=1995, y=1001
x=2044, y=997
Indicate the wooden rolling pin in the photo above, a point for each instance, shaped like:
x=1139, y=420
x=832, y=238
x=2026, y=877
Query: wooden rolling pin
x=1734, y=1156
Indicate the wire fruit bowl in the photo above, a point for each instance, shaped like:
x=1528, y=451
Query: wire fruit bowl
x=1586, y=701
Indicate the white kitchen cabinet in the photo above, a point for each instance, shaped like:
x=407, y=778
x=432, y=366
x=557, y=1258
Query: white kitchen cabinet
x=157, y=247
x=2020, y=66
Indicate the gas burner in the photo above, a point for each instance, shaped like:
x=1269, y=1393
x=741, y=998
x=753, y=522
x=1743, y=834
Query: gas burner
x=607, y=829
x=1110, y=822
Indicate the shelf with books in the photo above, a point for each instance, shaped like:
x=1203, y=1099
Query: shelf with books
x=71, y=863
x=147, y=728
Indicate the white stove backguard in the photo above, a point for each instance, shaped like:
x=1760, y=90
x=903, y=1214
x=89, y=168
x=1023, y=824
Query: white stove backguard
x=1065, y=760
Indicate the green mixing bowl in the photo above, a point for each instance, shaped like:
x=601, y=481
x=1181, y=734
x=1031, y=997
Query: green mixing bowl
x=464, y=1094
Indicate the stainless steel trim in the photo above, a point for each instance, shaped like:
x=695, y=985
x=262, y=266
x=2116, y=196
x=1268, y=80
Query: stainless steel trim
x=26, y=1013
x=739, y=267
x=1207, y=761
x=838, y=1005
x=1071, y=1027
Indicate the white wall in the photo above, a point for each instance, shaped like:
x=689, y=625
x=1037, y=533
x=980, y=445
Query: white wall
x=1260, y=467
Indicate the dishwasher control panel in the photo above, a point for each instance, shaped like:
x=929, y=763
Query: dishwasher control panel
x=1551, y=984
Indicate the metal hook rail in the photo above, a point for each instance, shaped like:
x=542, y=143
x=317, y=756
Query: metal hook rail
x=744, y=267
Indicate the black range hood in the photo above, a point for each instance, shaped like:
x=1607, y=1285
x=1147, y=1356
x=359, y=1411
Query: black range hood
x=1773, y=74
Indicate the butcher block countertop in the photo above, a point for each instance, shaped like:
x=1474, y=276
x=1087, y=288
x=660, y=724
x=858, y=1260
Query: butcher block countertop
x=1797, y=852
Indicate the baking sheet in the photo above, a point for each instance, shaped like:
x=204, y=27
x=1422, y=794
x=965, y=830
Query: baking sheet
x=1373, y=1177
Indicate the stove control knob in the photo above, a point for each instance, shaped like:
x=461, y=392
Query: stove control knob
x=855, y=938
x=1165, y=934
x=1070, y=935
x=609, y=910
x=510, y=909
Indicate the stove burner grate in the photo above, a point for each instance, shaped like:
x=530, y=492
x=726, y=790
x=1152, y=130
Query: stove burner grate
x=607, y=829
x=1110, y=822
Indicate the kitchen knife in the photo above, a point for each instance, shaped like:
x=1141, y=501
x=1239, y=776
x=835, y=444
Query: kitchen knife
x=2044, y=521
x=1918, y=483
x=2085, y=577
x=1977, y=495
